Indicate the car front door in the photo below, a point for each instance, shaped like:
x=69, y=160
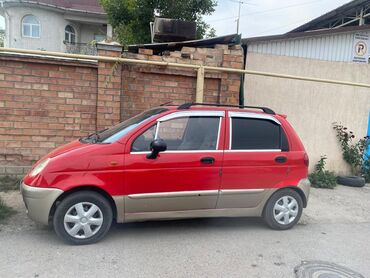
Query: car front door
x=184, y=177
x=256, y=159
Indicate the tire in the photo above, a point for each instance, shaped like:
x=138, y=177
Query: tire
x=83, y=217
x=270, y=214
x=353, y=181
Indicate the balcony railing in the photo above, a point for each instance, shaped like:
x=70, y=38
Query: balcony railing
x=81, y=48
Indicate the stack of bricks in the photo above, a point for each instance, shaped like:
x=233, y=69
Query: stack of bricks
x=46, y=102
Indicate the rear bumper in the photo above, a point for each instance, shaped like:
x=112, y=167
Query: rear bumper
x=305, y=186
x=39, y=201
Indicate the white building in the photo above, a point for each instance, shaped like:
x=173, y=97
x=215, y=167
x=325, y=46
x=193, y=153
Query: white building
x=54, y=25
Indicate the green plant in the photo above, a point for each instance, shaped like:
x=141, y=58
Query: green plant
x=366, y=169
x=9, y=183
x=322, y=178
x=5, y=211
x=130, y=18
x=353, y=152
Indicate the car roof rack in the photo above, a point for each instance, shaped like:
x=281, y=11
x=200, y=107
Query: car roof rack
x=190, y=104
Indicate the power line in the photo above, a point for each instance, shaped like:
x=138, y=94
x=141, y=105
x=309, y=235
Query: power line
x=266, y=11
x=280, y=27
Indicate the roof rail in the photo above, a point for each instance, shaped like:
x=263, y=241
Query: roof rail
x=190, y=104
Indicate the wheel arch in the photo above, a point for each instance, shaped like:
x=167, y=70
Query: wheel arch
x=84, y=188
x=296, y=189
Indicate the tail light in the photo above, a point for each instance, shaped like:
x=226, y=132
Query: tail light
x=306, y=160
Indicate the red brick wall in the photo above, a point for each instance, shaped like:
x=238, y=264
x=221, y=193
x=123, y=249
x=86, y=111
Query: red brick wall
x=42, y=106
x=47, y=102
x=147, y=86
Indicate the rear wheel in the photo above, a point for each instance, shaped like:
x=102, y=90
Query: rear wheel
x=283, y=210
x=83, y=218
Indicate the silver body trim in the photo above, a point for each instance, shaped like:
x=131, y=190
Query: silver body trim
x=174, y=194
x=252, y=151
x=192, y=113
x=240, y=191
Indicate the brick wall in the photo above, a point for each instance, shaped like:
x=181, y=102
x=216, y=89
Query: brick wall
x=47, y=102
x=147, y=86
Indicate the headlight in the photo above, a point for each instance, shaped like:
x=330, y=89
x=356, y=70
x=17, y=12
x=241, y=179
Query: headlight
x=37, y=170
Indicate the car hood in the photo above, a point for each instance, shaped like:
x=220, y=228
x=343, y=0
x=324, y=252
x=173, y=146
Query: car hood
x=74, y=145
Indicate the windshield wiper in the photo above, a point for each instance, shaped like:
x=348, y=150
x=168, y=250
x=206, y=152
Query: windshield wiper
x=93, y=137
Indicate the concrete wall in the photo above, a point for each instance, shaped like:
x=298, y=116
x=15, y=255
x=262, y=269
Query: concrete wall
x=52, y=29
x=313, y=107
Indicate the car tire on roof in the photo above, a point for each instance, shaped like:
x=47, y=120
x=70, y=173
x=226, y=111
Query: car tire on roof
x=83, y=217
x=283, y=210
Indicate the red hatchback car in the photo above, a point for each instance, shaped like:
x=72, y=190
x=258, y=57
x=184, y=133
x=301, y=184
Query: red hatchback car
x=169, y=163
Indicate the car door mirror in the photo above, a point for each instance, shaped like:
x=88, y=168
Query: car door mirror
x=156, y=147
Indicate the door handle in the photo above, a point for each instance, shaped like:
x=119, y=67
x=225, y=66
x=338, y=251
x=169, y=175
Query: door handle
x=207, y=160
x=281, y=159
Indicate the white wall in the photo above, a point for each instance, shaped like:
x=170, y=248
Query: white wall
x=52, y=29
x=312, y=107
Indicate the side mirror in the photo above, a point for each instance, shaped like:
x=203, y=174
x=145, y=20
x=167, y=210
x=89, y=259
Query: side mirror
x=156, y=147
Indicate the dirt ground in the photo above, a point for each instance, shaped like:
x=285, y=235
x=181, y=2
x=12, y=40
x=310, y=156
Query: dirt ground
x=335, y=227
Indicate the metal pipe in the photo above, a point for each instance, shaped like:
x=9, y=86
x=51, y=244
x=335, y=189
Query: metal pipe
x=205, y=68
x=200, y=85
x=96, y=58
x=286, y=76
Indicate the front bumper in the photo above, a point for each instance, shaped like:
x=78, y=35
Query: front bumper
x=39, y=201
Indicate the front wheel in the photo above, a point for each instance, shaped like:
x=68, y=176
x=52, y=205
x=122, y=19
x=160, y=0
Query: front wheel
x=83, y=218
x=283, y=210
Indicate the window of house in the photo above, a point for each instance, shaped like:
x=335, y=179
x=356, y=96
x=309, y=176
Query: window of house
x=31, y=27
x=99, y=37
x=70, y=34
x=255, y=134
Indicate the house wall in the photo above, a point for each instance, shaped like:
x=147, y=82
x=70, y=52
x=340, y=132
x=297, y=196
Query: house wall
x=313, y=107
x=52, y=29
x=47, y=102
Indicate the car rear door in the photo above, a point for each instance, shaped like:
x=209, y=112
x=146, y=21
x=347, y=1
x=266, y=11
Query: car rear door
x=255, y=159
x=184, y=177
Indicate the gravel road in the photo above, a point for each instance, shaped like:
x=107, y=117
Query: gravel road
x=335, y=227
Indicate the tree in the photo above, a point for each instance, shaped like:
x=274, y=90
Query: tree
x=130, y=18
x=2, y=36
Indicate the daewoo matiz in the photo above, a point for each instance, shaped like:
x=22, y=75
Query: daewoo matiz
x=169, y=163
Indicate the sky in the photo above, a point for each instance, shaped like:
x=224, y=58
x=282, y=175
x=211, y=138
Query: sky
x=267, y=17
x=264, y=17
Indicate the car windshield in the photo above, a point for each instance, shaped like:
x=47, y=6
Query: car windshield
x=116, y=132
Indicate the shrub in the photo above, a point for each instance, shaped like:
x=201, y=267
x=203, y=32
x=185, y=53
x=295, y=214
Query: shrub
x=9, y=183
x=353, y=152
x=5, y=211
x=322, y=178
x=366, y=169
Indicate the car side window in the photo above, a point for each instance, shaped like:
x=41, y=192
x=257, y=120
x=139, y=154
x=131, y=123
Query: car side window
x=190, y=133
x=255, y=134
x=142, y=142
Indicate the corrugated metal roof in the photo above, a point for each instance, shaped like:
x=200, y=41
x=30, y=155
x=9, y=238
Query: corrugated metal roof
x=346, y=9
x=328, y=46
